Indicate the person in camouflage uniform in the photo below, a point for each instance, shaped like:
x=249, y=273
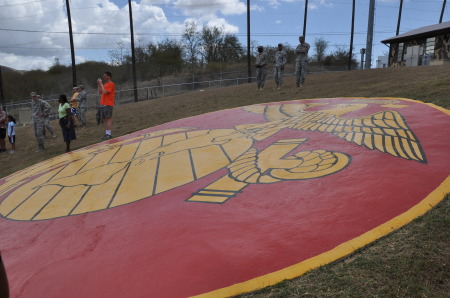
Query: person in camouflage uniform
x=301, y=61
x=47, y=123
x=82, y=105
x=262, y=59
x=99, y=110
x=280, y=61
x=39, y=110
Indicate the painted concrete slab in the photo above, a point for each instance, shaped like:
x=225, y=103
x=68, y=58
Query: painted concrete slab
x=223, y=203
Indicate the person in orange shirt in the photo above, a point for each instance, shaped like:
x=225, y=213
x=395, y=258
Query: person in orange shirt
x=107, y=91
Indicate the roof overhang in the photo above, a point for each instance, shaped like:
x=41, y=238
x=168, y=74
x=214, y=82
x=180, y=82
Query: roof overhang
x=423, y=32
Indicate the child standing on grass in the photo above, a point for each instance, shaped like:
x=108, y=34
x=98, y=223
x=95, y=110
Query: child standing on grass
x=12, y=133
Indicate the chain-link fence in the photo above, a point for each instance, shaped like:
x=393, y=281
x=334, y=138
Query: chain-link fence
x=158, y=88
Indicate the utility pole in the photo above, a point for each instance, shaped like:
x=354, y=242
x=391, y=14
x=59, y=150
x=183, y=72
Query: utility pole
x=249, y=65
x=304, y=20
x=399, y=17
x=442, y=11
x=350, y=52
x=133, y=58
x=72, y=50
x=370, y=35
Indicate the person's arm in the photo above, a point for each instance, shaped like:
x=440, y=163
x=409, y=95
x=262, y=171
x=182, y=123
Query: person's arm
x=47, y=109
x=99, y=85
x=69, y=117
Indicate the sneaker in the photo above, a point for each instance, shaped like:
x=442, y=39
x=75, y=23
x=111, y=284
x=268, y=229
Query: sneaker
x=12, y=151
x=107, y=137
x=39, y=150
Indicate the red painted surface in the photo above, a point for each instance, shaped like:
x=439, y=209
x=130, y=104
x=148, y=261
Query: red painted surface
x=166, y=247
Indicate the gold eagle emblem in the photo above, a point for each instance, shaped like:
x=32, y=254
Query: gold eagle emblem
x=123, y=172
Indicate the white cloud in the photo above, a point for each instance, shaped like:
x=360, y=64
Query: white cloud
x=196, y=8
x=98, y=26
x=30, y=63
x=257, y=8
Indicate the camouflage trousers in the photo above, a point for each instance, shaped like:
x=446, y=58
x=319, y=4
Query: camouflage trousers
x=39, y=127
x=261, y=74
x=278, y=75
x=99, y=115
x=48, y=126
x=300, y=71
x=82, y=114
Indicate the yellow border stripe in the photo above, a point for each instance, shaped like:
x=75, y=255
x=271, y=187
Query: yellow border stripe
x=346, y=248
x=339, y=251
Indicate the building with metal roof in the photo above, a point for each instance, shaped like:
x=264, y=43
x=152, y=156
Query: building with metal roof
x=428, y=45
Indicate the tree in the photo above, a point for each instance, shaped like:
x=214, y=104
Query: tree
x=211, y=40
x=191, y=39
x=340, y=58
x=231, y=50
x=218, y=47
x=164, y=58
x=118, y=56
x=321, y=46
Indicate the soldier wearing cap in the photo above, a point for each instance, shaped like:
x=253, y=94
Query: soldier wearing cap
x=47, y=124
x=39, y=110
x=301, y=62
x=82, y=105
x=280, y=61
x=262, y=59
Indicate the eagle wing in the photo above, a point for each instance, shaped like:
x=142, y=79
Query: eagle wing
x=384, y=131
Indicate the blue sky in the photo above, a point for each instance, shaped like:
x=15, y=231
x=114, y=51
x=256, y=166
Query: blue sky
x=33, y=32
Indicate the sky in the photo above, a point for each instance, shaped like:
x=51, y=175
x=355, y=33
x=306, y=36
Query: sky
x=34, y=33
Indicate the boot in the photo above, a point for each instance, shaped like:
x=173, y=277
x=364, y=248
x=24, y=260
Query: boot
x=40, y=148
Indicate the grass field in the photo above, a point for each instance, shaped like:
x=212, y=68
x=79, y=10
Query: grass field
x=411, y=262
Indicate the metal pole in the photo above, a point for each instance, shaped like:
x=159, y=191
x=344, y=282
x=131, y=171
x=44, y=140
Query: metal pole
x=2, y=94
x=399, y=17
x=442, y=12
x=249, y=65
x=72, y=50
x=133, y=58
x=369, y=42
x=363, y=51
x=306, y=16
x=350, y=52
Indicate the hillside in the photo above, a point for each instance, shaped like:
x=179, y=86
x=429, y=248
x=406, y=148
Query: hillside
x=6, y=69
x=428, y=84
